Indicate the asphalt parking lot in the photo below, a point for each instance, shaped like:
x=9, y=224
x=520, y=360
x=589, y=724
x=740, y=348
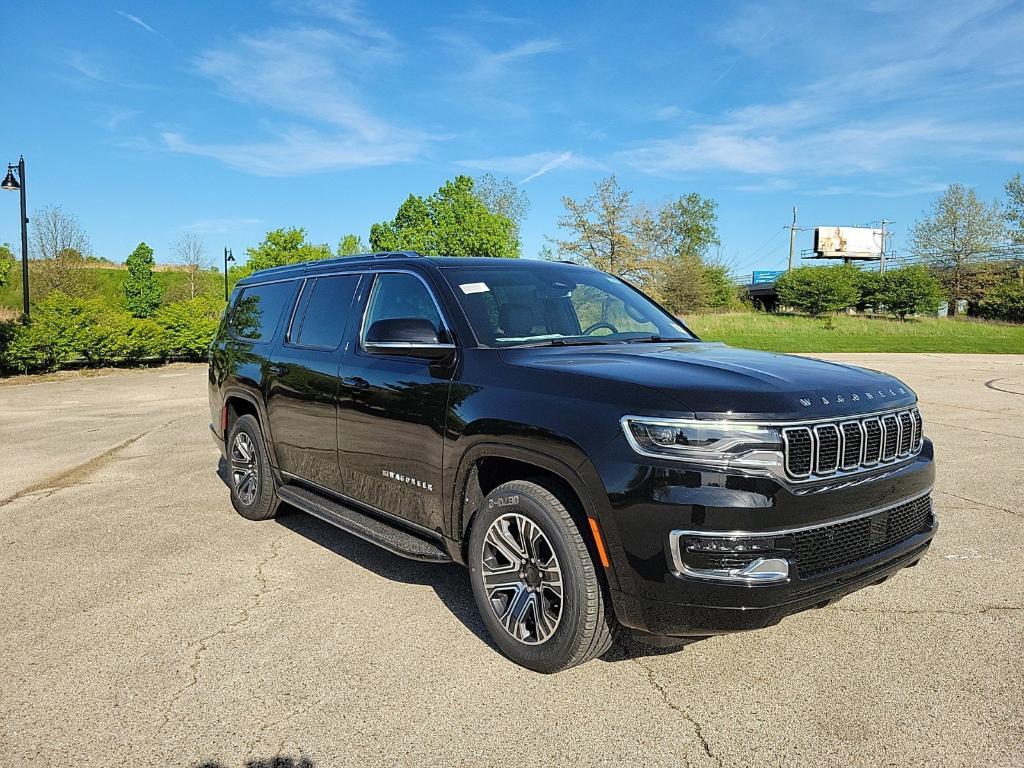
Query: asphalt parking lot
x=145, y=623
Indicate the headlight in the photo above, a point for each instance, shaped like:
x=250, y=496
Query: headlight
x=719, y=444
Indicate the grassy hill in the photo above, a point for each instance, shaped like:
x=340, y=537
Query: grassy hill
x=846, y=333
x=107, y=283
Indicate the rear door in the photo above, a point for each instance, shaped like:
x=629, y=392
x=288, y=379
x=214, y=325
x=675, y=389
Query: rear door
x=302, y=391
x=391, y=413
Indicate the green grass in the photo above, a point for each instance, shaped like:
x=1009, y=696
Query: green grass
x=845, y=333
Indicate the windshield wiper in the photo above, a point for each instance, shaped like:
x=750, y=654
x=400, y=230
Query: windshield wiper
x=656, y=339
x=563, y=343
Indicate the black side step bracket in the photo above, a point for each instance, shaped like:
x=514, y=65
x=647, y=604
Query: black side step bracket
x=372, y=529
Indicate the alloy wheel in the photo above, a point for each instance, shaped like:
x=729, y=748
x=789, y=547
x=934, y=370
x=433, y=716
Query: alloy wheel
x=244, y=468
x=522, y=578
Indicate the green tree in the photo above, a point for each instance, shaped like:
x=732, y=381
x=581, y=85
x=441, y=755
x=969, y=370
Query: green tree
x=280, y=247
x=1004, y=302
x=953, y=237
x=502, y=196
x=607, y=232
x=6, y=264
x=142, y=293
x=908, y=291
x=817, y=290
x=189, y=325
x=451, y=222
x=350, y=245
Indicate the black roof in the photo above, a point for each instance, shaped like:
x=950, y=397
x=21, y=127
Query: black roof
x=392, y=258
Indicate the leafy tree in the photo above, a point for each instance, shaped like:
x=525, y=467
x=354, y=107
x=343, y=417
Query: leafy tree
x=280, y=247
x=142, y=293
x=451, y=222
x=1004, y=302
x=350, y=245
x=817, y=290
x=503, y=197
x=6, y=264
x=688, y=284
x=869, y=285
x=953, y=237
x=1015, y=208
x=909, y=291
x=607, y=233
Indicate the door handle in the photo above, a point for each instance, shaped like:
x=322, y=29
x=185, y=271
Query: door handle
x=355, y=382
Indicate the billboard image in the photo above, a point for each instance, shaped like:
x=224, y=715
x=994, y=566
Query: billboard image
x=847, y=242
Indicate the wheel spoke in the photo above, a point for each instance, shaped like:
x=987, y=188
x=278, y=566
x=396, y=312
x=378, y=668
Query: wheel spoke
x=522, y=578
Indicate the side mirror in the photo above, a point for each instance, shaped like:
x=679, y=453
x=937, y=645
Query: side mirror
x=408, y=336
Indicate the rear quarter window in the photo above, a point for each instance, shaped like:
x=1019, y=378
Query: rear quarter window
x=259, y=308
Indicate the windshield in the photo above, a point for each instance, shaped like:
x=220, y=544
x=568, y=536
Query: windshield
x=531, y=303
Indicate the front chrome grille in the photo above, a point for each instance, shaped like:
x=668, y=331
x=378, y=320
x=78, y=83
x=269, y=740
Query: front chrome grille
x=821, y=450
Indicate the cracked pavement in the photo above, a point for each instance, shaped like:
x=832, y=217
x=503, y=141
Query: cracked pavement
x=145, y=623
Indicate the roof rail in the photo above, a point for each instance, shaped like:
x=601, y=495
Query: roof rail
x=397, y=255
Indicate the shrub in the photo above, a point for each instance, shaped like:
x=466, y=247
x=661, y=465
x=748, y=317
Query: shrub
x=816, y=290
x=908, y=291
x=189, y=326
x=1004, y=302
x=60, y=331
x=123, y=338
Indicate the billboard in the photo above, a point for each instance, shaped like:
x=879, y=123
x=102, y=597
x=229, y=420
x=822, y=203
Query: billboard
x=847, y=242
x=766, y=275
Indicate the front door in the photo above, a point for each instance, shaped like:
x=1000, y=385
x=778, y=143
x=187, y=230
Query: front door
x=392, y=409
x=302, y=391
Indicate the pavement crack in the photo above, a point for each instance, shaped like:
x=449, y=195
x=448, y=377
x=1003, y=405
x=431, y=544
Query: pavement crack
x=202, y=645
x=75, y=475
x=694, y=723
x=249, y=750
x=980, y=503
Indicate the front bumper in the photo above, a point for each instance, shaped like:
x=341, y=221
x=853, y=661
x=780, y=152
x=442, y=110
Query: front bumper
x=661, y=587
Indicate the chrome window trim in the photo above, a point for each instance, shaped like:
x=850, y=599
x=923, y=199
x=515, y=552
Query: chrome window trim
x=445, y=324
x=287, y=340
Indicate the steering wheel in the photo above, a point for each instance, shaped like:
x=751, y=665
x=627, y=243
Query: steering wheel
x=596, y=326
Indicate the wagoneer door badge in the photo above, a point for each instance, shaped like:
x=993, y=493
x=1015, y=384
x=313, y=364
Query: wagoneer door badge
x=806, y=402
x=400, y=478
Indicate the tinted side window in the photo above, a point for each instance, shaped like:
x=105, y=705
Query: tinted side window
x=400, y=295
x=323, y=323
x=258, y=309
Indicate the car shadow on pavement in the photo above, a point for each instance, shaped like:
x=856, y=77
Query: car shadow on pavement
x=449, y=582
x=278, y=761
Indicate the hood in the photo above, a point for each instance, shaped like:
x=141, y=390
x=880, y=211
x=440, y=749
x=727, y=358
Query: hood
x=713, y=380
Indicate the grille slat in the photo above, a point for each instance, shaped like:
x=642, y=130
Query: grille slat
x=820, y=450
x=853, y=445
x=820, y=550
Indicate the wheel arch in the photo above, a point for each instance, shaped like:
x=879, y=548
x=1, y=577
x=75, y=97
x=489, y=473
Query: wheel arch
x=487, y=465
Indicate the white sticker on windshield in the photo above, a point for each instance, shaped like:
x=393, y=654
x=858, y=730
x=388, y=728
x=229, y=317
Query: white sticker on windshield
x=474, y=288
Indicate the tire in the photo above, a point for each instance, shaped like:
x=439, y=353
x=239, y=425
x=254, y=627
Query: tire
x=252, y=495
x=556, y=631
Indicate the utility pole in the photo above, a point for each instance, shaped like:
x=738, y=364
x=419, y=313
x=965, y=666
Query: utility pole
x=881, y=253
x=792, y=239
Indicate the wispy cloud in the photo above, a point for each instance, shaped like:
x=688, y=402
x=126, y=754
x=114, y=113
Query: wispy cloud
x=137, y=21
x=535, y=164
x=918, y=101
x=306, y=79
x=219, y=226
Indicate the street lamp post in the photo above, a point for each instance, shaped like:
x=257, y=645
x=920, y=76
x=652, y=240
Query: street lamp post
x=13, y=184
x=228, y=256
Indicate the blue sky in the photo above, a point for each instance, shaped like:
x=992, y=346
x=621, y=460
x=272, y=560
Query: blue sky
x=231, y=118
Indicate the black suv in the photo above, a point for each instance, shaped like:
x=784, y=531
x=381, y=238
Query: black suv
x=593, y=463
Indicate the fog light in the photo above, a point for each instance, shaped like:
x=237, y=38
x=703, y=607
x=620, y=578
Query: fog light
x=737, y=544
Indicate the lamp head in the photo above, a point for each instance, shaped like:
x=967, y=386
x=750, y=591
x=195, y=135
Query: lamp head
x=10, y=182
